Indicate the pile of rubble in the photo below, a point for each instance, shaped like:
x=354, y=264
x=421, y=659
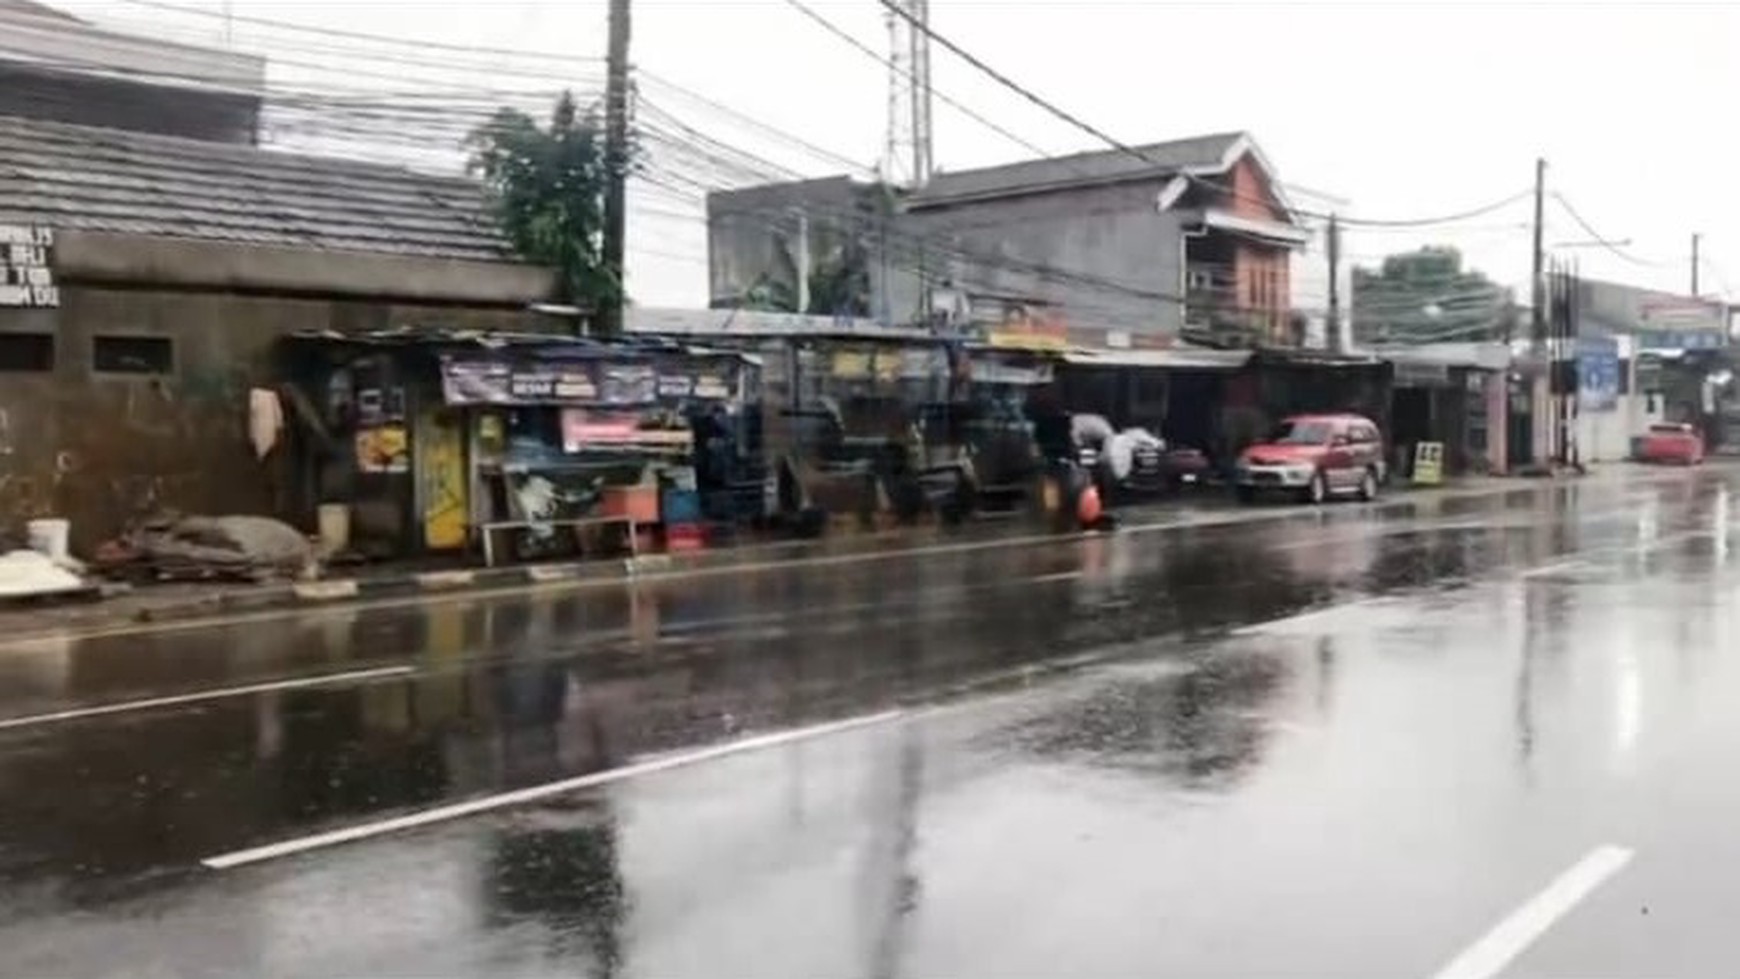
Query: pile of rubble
x=172, y=547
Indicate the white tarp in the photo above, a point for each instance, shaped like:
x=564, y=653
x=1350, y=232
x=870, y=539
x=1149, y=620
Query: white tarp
x=31, y=573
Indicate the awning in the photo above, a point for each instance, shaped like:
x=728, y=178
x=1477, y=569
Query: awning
x=1272, y=232
x=1175, y=358
x=1476, y=355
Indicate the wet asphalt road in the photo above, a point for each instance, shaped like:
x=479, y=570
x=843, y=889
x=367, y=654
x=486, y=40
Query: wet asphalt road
x=1349, y=742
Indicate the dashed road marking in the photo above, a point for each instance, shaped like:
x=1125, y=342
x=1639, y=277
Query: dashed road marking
x=220, y=693
x=363, y=831
x=1512, y=936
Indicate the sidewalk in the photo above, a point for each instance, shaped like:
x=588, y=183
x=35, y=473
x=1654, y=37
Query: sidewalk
x=196, y=600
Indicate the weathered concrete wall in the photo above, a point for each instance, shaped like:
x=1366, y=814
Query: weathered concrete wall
x=747, y=230
x=1113, y=257
x=116, y=259
x=100, y=448
x=217, y=117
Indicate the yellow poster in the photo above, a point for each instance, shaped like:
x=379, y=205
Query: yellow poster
x=851, y=364
x=441, y=467
x=1428, y=463
x=382, y=450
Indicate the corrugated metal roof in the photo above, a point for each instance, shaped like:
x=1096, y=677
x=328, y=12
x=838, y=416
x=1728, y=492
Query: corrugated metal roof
x=1097, y=167
x=85, y=178
x=1175, y=358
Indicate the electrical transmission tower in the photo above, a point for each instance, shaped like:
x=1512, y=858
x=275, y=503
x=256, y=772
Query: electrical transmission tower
x=906, y=157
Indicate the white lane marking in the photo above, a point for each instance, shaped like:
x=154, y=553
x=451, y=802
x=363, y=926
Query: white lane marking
x=219, y=693
x=349, y=834
x=1587, y=559
x=1059, y=576
x=1314, y=616
x=1495, y=950
x=1556, y=567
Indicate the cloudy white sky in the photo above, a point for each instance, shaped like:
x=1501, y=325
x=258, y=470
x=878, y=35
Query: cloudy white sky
x=1400, y=109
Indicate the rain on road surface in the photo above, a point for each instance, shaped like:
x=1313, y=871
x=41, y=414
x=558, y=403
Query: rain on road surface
x=1471, y=736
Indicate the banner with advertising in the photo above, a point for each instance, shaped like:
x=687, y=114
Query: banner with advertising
x=582, y=428
x=496, y=382
x=1597, y=374
x=624, y=385
x=669, y=381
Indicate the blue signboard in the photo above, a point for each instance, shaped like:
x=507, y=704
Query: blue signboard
x=1597, y=374
x=1679, y=339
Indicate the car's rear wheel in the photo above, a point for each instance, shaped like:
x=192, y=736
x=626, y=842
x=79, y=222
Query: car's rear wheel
x=1368, y=486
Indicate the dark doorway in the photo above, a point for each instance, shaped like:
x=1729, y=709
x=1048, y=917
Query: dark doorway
x=1520, y=426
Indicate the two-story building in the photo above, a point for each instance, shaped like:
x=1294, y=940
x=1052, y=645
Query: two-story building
x=1185, y=238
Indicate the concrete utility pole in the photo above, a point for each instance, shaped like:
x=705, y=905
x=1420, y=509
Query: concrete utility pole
x=803, y=261
x=1696, y=238
x=1335, y=340
x=615, y=163
x=1537, y=291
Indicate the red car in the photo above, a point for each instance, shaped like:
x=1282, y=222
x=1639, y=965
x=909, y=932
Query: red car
x=1673, y=443
x=1315, y=456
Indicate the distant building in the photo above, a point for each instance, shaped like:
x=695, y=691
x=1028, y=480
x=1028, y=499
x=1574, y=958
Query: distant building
x=1661, y=321
x=55, y=66
x=1192, y=238
x=1631, y=343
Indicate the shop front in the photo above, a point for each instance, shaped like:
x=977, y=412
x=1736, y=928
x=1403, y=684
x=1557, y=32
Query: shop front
x=434, y=440
x=1453, y=396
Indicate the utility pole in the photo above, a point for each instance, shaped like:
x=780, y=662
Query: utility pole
x=1695, y=242
x=803, y=261
x=615, y=164
x=1537, y=292
x=1334, y=340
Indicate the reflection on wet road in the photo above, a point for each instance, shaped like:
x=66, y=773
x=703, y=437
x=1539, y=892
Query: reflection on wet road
x=1341, y=743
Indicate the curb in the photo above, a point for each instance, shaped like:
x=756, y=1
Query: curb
x=756, y=557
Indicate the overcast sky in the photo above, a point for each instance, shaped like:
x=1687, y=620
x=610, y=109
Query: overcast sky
x=1401, y=110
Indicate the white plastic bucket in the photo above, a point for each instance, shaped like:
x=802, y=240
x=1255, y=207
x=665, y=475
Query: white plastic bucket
x=334, y=527
x=48, y=537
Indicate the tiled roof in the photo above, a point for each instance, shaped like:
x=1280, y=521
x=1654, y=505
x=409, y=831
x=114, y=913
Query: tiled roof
x=1101, y=166
x=83, y=178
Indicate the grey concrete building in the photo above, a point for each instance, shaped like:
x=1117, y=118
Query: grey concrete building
x=146, y=278
x=1191, y=236
x=57, y=66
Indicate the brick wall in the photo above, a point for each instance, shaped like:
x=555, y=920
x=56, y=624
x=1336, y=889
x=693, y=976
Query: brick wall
x=1261, y=272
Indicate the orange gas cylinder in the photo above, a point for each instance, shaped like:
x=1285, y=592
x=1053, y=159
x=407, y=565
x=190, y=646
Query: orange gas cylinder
x=1088, y=509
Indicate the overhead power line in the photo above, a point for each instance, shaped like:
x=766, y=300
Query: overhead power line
x=1601, y=239
x=819, y=152
x=843, y=35
x=1008, y=82
x=1471, y=213
x=357, y=35
x=1135, y=152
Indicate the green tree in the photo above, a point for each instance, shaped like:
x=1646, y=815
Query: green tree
x=1427, y=295
x=548, y=186
x=839, y=275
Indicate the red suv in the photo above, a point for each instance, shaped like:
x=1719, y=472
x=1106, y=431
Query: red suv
x=1315, y=456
